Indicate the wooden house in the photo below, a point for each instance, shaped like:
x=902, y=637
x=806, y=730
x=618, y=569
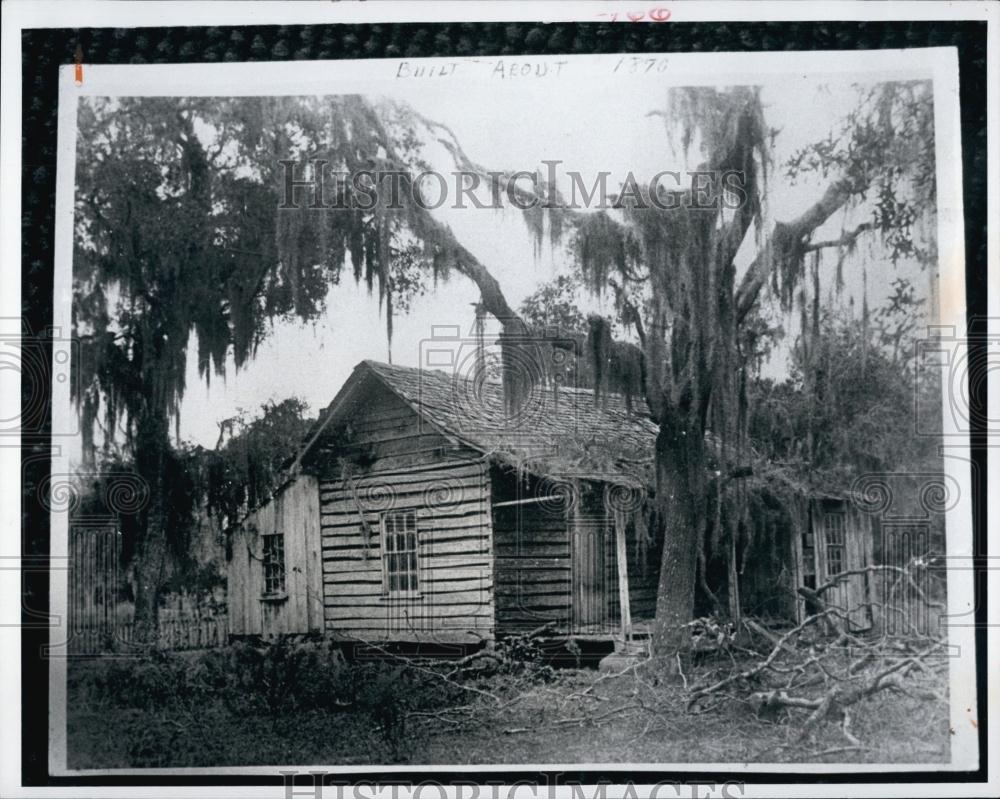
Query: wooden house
x=821, y=538
x=420, y=510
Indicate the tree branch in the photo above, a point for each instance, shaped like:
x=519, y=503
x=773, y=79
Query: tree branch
x=847, y=239
x=784, y=239
x=739, y=159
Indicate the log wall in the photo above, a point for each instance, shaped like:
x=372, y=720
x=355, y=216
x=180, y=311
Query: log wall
x=643, y=558
x=533, y=567
x=557, y=563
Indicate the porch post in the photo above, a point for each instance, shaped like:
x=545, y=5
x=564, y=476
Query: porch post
x=621, y=557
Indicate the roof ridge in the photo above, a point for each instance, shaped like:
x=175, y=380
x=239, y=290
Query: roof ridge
x=557, y=436
x=452, y=375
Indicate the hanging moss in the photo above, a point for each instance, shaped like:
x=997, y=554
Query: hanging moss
x=618, y=365
x=603, y=248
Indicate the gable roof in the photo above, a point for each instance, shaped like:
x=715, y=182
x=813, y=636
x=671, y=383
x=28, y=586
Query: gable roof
x=556, y=432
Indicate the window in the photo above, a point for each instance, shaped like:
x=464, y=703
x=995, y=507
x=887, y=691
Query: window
x=834, y=530
x=274, y=564
x=399, y=554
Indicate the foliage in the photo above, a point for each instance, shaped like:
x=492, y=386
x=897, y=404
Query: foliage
x=701, y=332
x=552, y=313
x=521, y=656
x=407, y=279
x=849, y=405
x=281, y=676
x=580, y=716
x=821, y=669
x=179, y=230
x=897, y=322
x=114, y=490
x=221, y=483
x=246, y=465
x=203, y=581
x=172, y=697
x=884, y=151
x=96, y=493
x=555, y=305
x=243, y=470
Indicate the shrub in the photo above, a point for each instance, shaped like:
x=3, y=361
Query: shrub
x=165, y=703
x=254, y=677
x=521, y=655
x=384, y=693
x=281, y=676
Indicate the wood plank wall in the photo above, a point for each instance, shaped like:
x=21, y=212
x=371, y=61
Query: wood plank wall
x=406, y=467
x=853, y=593
x=294, y=511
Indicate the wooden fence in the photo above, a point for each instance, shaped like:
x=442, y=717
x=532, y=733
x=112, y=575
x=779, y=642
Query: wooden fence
x=99, y=621
x=174, y=634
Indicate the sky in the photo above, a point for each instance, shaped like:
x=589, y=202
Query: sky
x=596, y=126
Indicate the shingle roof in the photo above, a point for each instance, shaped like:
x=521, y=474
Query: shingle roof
x=558, y=432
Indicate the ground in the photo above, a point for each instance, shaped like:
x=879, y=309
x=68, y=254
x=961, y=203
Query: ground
x=192, y=712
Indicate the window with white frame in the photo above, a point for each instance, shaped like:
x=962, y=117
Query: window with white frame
x=274, y=564
x=400, y=567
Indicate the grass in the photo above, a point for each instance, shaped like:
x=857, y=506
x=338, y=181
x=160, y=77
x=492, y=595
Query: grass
x=185, y=712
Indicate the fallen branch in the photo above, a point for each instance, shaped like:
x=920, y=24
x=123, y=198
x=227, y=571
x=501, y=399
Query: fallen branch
x=760, y=667
x=428, y=671
x=825, y=677
x=763, y=632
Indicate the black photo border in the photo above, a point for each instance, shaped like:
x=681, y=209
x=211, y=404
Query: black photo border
x=45, y=50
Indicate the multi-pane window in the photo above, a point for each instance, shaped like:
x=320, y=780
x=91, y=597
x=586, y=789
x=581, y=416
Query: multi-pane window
x=274, y=564
x=834, y=534
x=399, y=553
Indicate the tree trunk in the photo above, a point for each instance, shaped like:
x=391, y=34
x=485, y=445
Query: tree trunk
x=149, y=576
x=680, y=497
x=150, y=558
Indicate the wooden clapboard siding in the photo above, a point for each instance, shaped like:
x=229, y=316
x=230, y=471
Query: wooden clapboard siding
x=482, y=569
x=407, y=465
x=293, y=512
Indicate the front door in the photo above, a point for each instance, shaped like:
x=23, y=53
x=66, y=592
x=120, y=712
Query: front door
x=588, y=546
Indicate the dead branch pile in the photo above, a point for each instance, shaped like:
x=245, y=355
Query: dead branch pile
x=821, y=668
x=813, y=676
